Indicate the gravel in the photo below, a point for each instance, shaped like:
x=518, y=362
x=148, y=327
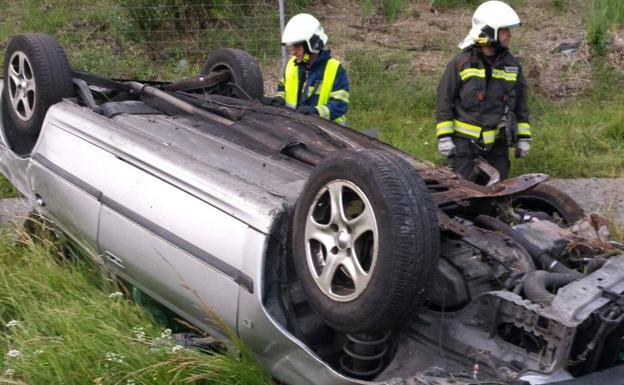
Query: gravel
x=604, y=196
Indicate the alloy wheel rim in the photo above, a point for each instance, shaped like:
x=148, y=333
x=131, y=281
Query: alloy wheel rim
x=22, y=86
x=341, y=240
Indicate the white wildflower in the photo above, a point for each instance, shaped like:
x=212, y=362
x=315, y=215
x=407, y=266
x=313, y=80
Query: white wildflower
x=14, y=353
x=37, y=352
x=12, y=323
x=114, y=357
x=9, y=372
x=166, y=333
x=115, y=295
x=176, y=348
x=130, y=382
x=139, y=333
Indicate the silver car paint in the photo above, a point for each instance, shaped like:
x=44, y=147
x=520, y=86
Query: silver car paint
x=195, y=195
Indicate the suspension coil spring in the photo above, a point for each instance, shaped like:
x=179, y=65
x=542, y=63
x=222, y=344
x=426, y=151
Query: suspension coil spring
x=364, y=354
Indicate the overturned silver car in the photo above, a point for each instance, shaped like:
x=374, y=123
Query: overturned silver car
x=336, y=258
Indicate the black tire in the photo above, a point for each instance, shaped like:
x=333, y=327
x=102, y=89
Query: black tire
x=407, y=235
x=550, y=200
x=243, y=68
x=46, y=64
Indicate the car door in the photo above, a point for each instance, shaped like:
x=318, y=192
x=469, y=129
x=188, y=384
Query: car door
x=62, y=167
x=171, y=244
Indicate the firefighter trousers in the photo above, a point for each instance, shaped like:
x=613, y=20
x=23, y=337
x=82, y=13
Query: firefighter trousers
x=467, y=151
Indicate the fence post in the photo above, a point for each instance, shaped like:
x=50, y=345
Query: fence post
x=282, y=16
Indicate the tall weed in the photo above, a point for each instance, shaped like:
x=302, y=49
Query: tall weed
x=297, y=5
x=449, y=4
x=393, y=8
x=559, y=5
x=204, y=26
x=602, y=15
x=390, y=9
x=386, y=96
x=65, y=321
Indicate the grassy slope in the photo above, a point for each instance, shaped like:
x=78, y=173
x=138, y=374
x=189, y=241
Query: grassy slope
x=70, y=330
x=68, y=326
x=581, y=137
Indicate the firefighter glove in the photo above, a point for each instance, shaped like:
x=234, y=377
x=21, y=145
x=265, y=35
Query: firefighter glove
x=307, y=110
x=522, y=148
x=446, y=147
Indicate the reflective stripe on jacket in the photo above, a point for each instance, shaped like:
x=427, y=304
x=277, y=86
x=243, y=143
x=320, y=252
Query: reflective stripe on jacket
x=471, y=103
x=325, y=86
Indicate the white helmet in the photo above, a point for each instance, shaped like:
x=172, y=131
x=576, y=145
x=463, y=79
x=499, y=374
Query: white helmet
x=305, y=28
x=487, y=20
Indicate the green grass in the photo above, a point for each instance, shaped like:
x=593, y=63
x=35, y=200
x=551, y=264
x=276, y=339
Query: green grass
x=70, y=331
x=471, y=5
x=576, y=138
x=569, y=142
x=6, y=189
x=393, y=8
x=602, y=15
x=96, y=34
x=390, y=9
x=448, y=4
x=146, y=39
x=401, y=109
x=559, y=5
x=582, y=137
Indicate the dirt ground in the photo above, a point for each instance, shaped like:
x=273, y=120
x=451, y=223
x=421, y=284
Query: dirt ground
x=430, y=37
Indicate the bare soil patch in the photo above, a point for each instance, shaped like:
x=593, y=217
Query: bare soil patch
x=430, y=37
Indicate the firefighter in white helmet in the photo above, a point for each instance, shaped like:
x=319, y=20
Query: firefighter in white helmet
x=313, y=82
x=482, y=97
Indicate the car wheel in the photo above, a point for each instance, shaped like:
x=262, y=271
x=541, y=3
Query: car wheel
x=36, y=76
x=550, y=200
x=242, y=67
x=365, y=241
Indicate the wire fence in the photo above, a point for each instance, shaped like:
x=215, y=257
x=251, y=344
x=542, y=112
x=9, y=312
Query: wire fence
x=168, y=39
x=189, y=30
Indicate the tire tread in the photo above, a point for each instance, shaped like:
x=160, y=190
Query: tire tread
x=246, y=70
x=412, y=252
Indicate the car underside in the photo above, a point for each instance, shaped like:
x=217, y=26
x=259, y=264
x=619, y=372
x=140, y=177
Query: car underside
x=371, y=266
